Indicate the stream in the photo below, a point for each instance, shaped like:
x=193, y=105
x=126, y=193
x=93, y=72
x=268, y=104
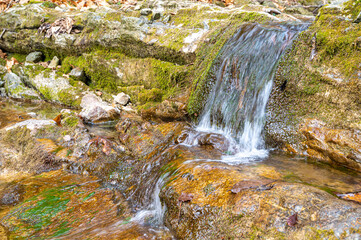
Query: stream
x=228, y=137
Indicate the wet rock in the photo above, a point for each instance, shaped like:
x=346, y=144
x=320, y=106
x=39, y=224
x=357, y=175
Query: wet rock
x=146, y=11
x=54, y=62
x=95, y=110
x=78, y=74
x=217, y=141
x=15, y=88
x=122, y=99
x=332, y=145
x=35, y=57
x=11, y=194
x=222, y=214
x=167, y=110
x=53, y=200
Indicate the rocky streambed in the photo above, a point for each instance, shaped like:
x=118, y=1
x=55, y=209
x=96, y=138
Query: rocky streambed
x=104, y=131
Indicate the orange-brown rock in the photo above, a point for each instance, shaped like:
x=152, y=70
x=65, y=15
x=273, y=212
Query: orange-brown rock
x=338, y=146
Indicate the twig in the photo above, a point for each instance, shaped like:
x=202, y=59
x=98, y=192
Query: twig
x=2, y=34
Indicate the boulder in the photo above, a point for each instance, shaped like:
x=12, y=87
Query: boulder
x=34, y=57
x=15, y=88
x=122, y=99
x=145, y=11
x=55, y=88
x=95, y=110
x=78, y=74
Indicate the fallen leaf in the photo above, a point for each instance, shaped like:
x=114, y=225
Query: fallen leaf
x=107, y=145
x=2, y=54
x=251, y=184
x=185, y=197
x=356, y=197
x=57, y=119
x=292, y=220
x=11, y=63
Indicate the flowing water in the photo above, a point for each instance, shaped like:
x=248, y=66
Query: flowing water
x=232, y=123
x=243, y=74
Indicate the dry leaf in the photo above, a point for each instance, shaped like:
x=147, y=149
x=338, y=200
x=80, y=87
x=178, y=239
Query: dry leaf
x=57, y=119
x=292, y=220
x=2, y=54
x=107, y=145
x=11, y=63
x=60, y=26
x=356, y=197
x=185, y=197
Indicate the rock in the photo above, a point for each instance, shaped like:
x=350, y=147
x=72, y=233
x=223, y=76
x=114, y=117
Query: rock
x=32, y=124
x=2, y=92
x=358, y=18
x=273, y=11
x=55, y=88
x=32, y=114
x=146, y=11
x=95, y=110
x=338, y=146
x=34, y=57
x=11, y=194
x=78, y=74
x=215, y=211
x=122, y=99
x=54, y=62
x=156, y=16
x=15, y=88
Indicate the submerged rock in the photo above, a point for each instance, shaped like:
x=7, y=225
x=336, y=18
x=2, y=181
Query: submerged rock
x=95, y=110
x=32, y=124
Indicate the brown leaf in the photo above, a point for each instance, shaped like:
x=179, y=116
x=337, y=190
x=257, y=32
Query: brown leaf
x=292, y=220
x=250, y=184
x=356, y=197
x=11, y=63
x=57, y=119
x=107, y=145
x=185, y=197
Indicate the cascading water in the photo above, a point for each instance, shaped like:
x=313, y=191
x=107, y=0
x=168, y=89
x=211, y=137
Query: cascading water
x=243, y=74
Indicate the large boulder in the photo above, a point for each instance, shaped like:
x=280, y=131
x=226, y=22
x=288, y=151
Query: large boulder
x=95, y=110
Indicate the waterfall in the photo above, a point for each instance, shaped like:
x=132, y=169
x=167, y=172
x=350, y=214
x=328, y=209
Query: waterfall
x=242, y=78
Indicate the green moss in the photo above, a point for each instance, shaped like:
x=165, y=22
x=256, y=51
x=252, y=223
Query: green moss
x=70, y=121
x=49, y=5
x=69, y=98
x=151, y=95
x=18, y=56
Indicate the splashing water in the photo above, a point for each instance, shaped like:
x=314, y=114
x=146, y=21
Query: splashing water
x=243, y=74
